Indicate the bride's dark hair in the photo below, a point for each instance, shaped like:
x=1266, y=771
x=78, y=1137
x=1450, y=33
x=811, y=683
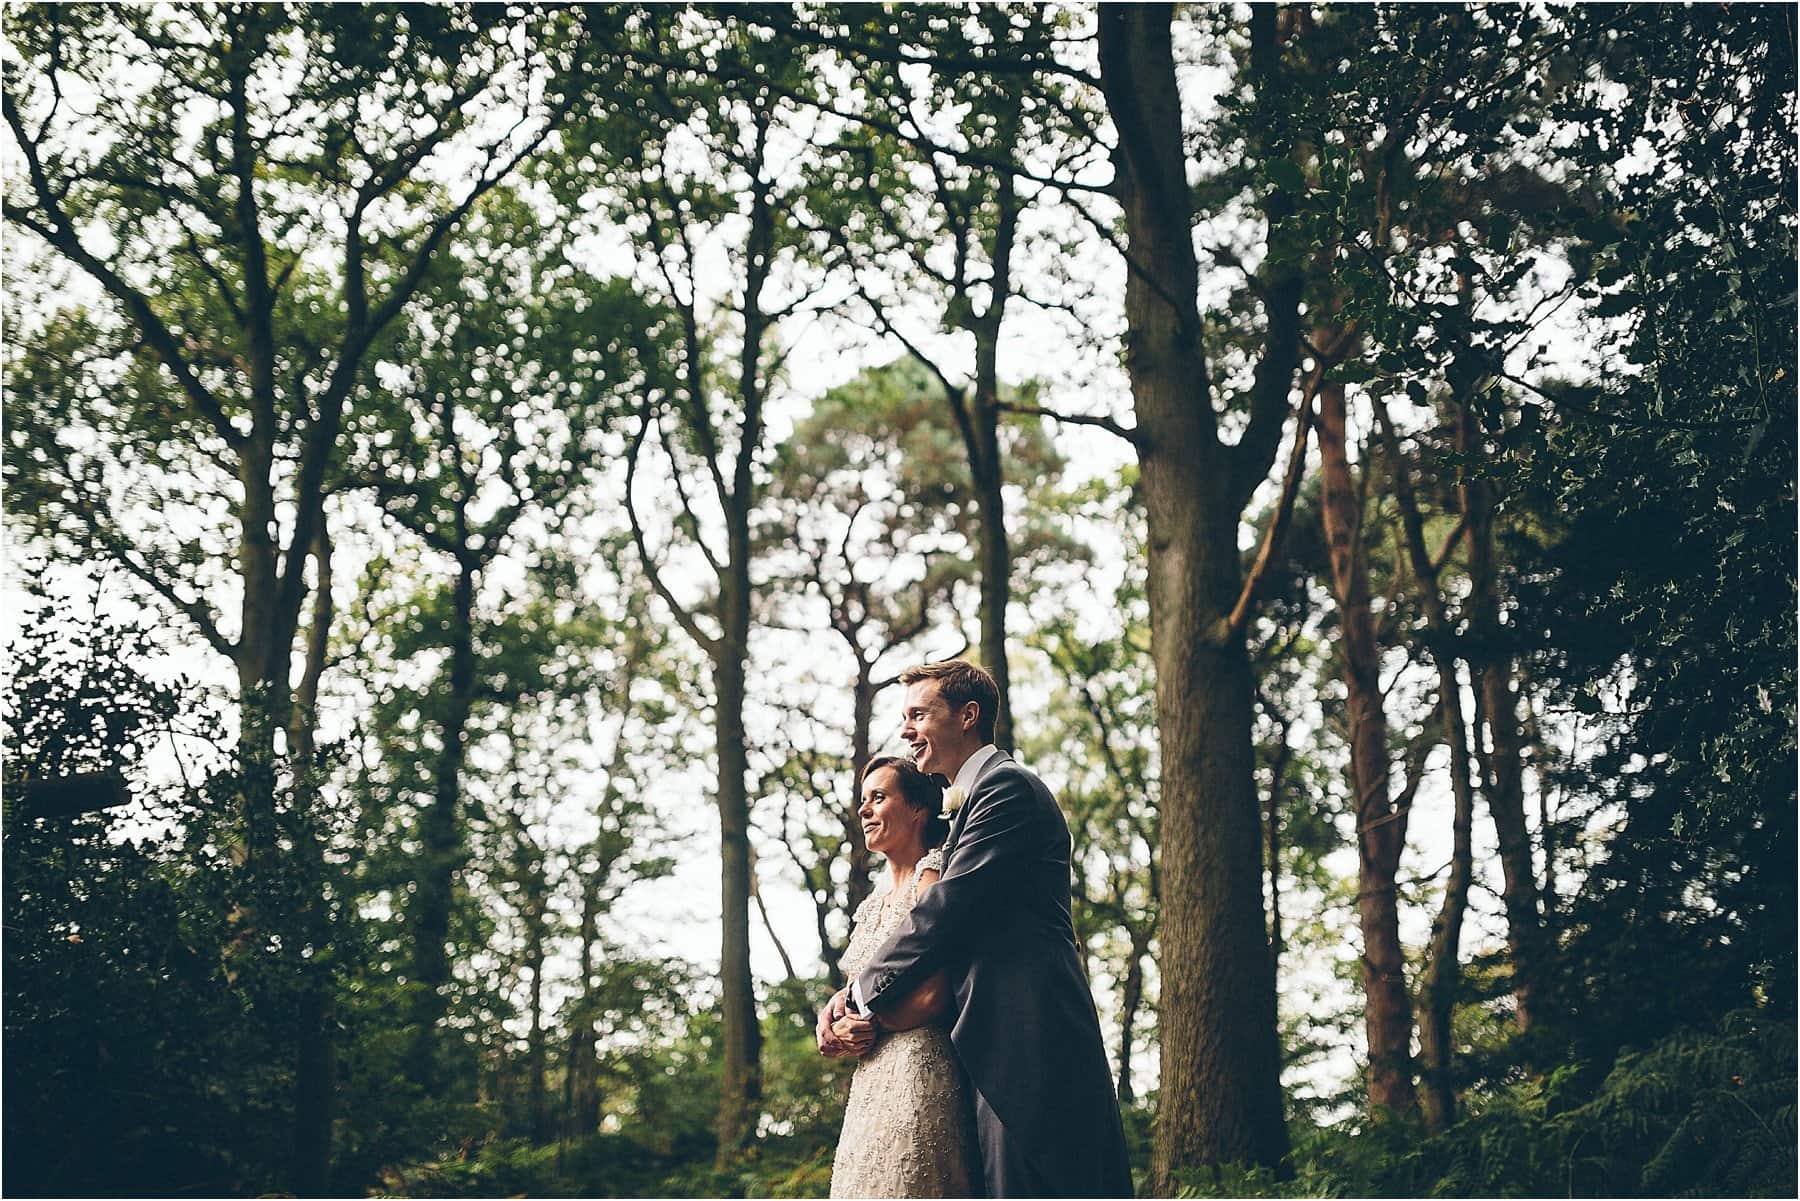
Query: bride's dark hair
x=919, y=791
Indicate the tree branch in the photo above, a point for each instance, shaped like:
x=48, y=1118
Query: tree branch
x=712, y=646
x=1130, y=434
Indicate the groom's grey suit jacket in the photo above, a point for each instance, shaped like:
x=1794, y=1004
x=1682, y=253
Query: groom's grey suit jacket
x=1024, y=1022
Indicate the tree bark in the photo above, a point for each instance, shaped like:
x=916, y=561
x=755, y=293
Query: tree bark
x=1221, y=1063
x=314, y=1083
x=984, y=464
x=740, y=1096
x=1380, y=829
x=861, y=881
x=584, y=1049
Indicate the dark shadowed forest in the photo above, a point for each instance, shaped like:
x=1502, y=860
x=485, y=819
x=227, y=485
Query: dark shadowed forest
x=473, y=475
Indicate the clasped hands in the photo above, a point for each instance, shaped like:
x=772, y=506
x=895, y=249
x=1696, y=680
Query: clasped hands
x=841, y=1033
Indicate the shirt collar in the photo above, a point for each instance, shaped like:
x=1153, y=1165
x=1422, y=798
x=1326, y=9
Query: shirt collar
x=971, y=768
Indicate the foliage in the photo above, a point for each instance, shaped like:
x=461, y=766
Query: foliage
x=134, y=1049
x=1685, y=657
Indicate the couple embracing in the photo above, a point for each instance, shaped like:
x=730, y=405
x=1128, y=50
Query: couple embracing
x=980, y=1069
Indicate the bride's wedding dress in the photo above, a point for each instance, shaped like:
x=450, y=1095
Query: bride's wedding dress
x=909, y=1130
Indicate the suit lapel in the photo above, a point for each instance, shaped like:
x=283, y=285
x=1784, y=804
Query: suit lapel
x=962, y=815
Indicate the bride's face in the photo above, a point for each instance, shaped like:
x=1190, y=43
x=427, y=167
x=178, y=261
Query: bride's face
x=889, y=823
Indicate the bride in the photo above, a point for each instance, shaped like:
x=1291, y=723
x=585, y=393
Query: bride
x=909, y=1129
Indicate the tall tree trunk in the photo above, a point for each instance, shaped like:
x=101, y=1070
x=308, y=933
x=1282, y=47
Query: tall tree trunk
x=1272, y=837
x=1380, y=829
x=314, y=1074
x=1221, y=1063
x=740, y=1095
x=1492, y=664
x=1440, y=978
x=314, y=1077
x=1534, y=738
x=440, y=828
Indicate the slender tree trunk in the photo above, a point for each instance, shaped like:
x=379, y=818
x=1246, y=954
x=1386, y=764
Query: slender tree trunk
x=262, y=697
x=1442, y=974
x=1272, y=835
x=315, y=1070
x=584, y=1049
x=741, y=1088
x=996, y=556
x=861, y=881
x=1492, y=664
x=537, y=1096
x=440, y=829
x=1534, y=738
x=740, y=1093
x=314, y=1080
x=1131, y=999
x=1380, y=830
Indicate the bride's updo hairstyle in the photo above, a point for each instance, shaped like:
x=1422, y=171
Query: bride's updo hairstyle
x=919, y=791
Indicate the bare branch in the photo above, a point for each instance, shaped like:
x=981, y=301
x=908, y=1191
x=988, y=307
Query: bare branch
x=714, y=647
x=1130, y=434
x=57, y=229
x=1284, y=511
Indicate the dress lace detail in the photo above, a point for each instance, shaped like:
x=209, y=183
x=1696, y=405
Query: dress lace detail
x=909, y=1129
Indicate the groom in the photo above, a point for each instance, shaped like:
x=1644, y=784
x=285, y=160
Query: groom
x=1024, y=1022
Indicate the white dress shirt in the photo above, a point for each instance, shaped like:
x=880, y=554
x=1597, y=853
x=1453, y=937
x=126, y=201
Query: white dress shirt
x=966, y=775
x=971, y=768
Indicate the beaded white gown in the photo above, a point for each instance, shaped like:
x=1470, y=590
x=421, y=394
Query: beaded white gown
x=909, y=1129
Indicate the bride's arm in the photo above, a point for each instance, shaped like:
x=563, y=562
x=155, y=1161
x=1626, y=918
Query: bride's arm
x=930, y=1000
x=922, y=1006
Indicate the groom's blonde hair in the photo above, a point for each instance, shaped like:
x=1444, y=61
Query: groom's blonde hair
x=960, y=682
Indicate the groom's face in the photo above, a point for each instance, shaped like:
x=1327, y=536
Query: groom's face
x=939, y=738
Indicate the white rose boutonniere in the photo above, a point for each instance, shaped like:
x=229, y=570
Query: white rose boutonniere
x=953, y=800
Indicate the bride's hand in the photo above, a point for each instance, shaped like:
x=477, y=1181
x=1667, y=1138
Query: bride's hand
x=834, y=1010
x=855, y=1034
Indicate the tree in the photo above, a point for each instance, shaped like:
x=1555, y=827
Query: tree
x=496, y=399
x=1666, y=493
x=223, y=150
x=1100, y=735
x=933, y=208
x=1221, y=1088
x=733, y=200
x=240, y=141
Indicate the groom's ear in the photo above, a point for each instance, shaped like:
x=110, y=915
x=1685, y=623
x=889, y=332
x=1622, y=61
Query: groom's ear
x=970, y=715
